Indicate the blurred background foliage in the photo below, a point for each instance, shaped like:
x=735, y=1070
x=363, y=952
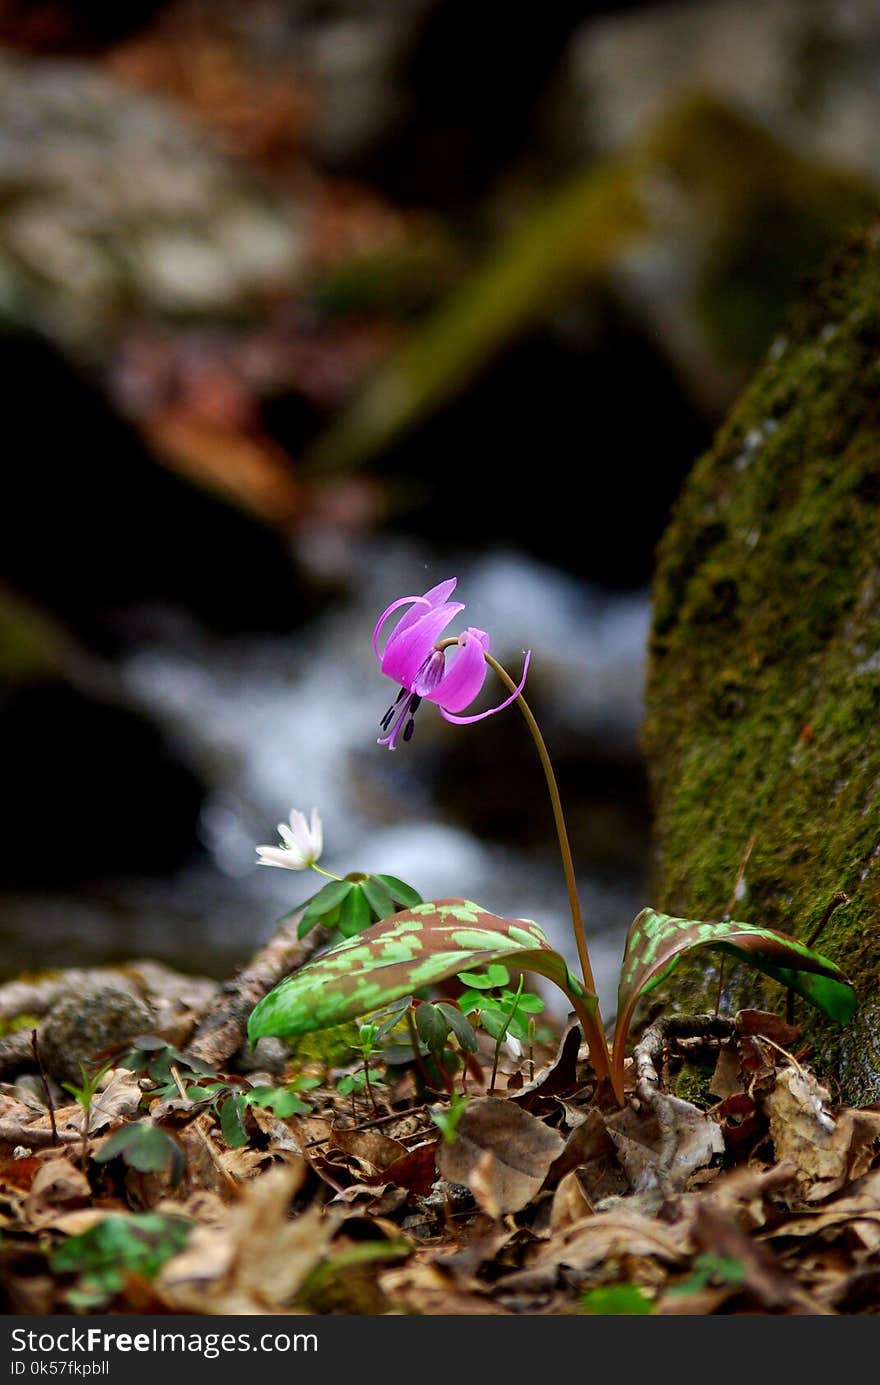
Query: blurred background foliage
x=307, y=303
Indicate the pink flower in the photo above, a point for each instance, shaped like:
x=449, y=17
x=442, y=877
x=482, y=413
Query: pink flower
x=412, y=659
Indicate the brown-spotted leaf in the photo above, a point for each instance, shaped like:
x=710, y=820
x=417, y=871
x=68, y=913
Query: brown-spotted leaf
x=416, y=947
x=656, y=943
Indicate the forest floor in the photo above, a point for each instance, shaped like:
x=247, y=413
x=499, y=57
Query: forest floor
x=203, y=1185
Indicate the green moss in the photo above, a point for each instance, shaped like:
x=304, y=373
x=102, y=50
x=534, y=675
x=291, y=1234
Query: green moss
x=12, y=1026
x=325, y=1048
x=764, y=683
x=694, y=1085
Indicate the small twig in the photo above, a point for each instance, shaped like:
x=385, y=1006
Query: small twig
x=223, y=1030
x=49, y=1102
x=834, y=903
x=648, y=1052
x=12, y=1132
x=369, y=1125
x=231, y=1182
x=779, y=1049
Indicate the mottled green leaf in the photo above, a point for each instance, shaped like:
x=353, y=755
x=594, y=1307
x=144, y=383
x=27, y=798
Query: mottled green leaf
x=402, y=893
x=323, y=904
x=354, y=916
x=417, y=947
x=656, y=943
x=378, y=898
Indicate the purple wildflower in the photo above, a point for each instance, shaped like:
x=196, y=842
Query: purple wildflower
x=412, y=659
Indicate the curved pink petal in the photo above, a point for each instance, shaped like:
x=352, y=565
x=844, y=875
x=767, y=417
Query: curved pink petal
x=395, y=605
x=435, y=597
x=407, y=651
x=465, y=673
x=479, y=716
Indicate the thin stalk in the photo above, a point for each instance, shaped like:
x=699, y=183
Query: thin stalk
x=591, y=1024
x=502, y=1034
x=369, y=1086
x=48, y=1095
x=321, y=871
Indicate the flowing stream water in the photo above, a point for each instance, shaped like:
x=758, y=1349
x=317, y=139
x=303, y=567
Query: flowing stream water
x=292, y=722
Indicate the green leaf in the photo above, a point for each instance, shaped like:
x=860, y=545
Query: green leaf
x=461, y=1028
x=616, y=1300
x=232, y=1121
x=118, y=1245
x=402, y=893
x=280, y=1100
x=322, y=904
x=354, y=916
x=432, y=1026
x=144, y=1147
x=656, y=943
x=391, y=1016
x=710, y=1269
x=487, y=980
x=378, y=898
x=417, y=947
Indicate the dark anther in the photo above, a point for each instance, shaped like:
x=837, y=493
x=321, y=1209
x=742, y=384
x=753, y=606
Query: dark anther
x=386, y=720
x=415, y=704
x=408, y=730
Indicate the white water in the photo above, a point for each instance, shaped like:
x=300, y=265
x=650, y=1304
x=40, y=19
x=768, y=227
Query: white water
x=287, y=722
x=275, y=724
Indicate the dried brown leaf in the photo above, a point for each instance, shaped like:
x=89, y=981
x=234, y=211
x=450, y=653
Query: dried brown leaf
x=426, y=1289
x=257, y=1260
x=804, y=1131
x=727, y=1077
x=58, y=1187
x=501, y=1153
x=595, y=1240
x=369, y=1146
x=661, y=1145
x=416, y=1170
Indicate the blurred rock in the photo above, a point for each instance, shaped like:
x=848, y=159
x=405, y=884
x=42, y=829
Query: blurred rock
x=389, y=109
x=71, y=25
x=112, y=207
x=93, y=788
x=764, y=683
x=805, y=68
x=93, y=528
x=81, y=1027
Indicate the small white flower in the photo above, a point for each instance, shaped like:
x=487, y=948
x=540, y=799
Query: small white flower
x=513, y=1046
x=303, y=843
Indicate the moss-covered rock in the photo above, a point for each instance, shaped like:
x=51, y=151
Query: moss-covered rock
x=764, y=682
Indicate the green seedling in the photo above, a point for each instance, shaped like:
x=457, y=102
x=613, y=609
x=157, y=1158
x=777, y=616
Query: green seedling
x=85, y=1095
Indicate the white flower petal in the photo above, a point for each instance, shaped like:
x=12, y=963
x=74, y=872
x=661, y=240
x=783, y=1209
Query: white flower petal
x=302, y=843
x=317, y=831
x=280, y=856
